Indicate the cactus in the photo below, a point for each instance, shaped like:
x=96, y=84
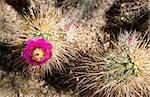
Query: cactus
x=123, y=71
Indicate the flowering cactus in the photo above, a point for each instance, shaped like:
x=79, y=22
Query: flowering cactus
x=46, y=43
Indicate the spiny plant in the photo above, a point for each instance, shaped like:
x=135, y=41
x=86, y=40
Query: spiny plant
x=123, y=71
x=45, y=45
x=44, y=21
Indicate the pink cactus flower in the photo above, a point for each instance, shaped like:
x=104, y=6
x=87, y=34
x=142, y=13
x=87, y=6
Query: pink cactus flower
x=71, y=26
x=132, y=38
x=37, y=52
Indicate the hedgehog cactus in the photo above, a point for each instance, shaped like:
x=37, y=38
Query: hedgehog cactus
x=42, y=28
x=49, y=39
x=121, y=72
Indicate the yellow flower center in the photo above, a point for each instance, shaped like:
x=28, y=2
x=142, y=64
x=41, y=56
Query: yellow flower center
x=38, y=54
